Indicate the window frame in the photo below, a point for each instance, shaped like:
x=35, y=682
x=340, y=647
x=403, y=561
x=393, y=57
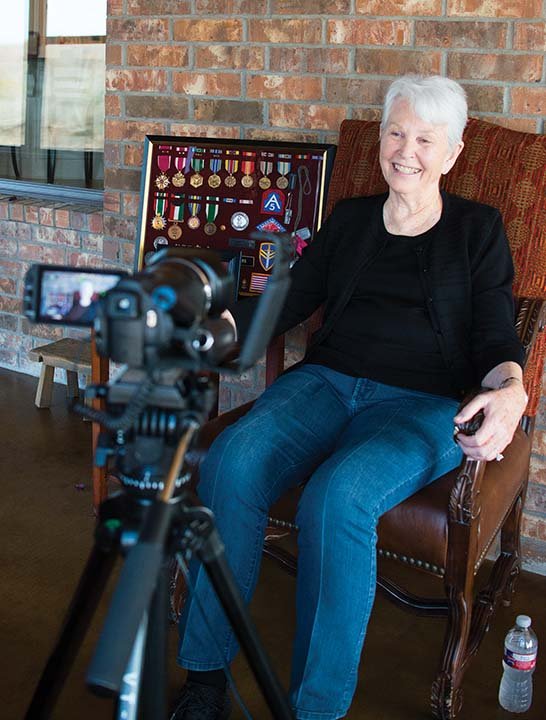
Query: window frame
x=19, y=189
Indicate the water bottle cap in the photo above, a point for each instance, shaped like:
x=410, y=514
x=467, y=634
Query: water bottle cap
x=523, y=621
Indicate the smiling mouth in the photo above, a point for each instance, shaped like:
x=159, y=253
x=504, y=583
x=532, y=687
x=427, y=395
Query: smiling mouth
x=405, y=170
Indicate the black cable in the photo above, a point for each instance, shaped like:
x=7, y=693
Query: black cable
x=136, y=405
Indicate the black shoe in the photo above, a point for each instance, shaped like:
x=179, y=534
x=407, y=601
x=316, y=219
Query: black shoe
x=202, y=702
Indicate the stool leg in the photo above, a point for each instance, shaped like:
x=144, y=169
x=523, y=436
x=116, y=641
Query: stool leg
x=45, y=386
x=87, y=400
x=72, y=390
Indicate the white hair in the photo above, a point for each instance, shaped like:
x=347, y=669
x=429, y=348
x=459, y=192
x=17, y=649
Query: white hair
x=435, y=99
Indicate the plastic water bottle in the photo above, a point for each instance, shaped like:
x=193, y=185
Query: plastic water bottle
x=519, y=660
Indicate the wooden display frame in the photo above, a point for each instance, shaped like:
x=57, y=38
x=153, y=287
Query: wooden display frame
x=213, y=193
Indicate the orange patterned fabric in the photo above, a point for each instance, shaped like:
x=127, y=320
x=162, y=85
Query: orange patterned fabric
x=498, y=166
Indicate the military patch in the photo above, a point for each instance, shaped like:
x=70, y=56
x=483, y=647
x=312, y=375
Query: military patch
x=266, y=255
x=258, y=282
x=271, y=225
x=273, y=202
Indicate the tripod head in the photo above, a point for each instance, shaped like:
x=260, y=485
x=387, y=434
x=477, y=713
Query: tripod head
x=146, y=414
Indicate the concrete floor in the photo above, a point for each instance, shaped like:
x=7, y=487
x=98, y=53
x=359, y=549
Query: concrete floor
x=46, y=531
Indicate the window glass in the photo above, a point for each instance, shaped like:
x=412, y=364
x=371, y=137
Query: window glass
x=52, y=54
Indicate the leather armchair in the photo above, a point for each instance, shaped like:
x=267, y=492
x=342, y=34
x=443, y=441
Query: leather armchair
x=447, y=528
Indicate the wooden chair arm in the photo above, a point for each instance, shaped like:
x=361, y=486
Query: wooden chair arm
x=530, y=320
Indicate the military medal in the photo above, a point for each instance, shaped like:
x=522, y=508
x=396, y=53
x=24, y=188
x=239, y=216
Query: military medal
x=164, y=163
x=176, y=216
x=174, y=232
x=194, y=208
x=239, y=220
x=214, y=180
x=158, y=222
x=160, y=206
x=231, y=166
x=266, y=167
x=283, y=168
x=180, y=163
x=211, y=211
x=247, y=166
x=196, y=179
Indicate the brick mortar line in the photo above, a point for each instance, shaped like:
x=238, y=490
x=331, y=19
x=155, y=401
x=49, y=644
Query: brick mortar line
x=349, y=16
x=289, y=44
x=300, y=73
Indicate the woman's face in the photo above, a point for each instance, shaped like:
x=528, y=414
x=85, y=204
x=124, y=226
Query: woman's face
x=414, y=154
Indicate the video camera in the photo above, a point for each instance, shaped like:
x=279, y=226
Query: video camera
x=165, y=326
x=167, y=315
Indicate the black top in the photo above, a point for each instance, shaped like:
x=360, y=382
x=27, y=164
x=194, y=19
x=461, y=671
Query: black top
x=465, y=304
x=384, y=332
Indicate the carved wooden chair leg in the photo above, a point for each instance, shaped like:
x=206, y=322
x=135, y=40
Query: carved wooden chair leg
x=446, y=694
x=511, y=547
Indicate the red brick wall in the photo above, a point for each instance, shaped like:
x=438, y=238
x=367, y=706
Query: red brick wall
x=31, y=231
x=283, y=69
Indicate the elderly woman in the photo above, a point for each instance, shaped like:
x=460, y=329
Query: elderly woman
x=416, y=285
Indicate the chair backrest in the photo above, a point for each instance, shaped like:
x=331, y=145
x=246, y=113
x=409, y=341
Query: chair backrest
x=498, y=166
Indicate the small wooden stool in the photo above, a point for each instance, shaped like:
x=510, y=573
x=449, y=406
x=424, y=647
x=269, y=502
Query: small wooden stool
x=71, y=355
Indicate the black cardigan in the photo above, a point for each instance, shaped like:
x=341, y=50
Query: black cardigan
x=466, y=275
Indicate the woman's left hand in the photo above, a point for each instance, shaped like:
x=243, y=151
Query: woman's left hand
x=502, y=410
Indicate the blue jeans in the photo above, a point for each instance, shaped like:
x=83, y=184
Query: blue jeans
x=365, y=447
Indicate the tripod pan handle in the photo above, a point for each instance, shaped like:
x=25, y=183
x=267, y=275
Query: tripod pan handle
x=131, y=599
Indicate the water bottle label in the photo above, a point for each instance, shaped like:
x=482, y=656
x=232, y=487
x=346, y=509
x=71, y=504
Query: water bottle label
x=519, y=661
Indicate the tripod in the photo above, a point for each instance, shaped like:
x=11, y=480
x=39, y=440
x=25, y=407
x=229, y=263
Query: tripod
x=130, y=657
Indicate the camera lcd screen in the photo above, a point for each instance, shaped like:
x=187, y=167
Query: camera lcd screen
x=69, y=296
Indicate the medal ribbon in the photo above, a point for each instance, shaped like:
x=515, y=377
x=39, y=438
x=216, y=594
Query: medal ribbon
x=177, y=210
x=211, y=208
x=160, y=204
x=266, y=167
x=164, y=162
x=180, y=162
x=247, y=166
x=283, y=167
x=215, y=164
x=194, y=207
x=231, y=166
x=197, y=163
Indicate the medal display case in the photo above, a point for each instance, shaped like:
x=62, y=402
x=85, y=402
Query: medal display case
x=213, y=194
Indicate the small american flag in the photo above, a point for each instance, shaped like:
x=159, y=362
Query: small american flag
x=258, y=281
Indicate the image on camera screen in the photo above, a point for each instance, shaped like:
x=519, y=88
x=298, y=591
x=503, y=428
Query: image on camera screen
x=70, y=296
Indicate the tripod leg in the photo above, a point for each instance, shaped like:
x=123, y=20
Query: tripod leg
x=212, y=556
x=154, y=686
x=127, y=704
x=79, y=615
